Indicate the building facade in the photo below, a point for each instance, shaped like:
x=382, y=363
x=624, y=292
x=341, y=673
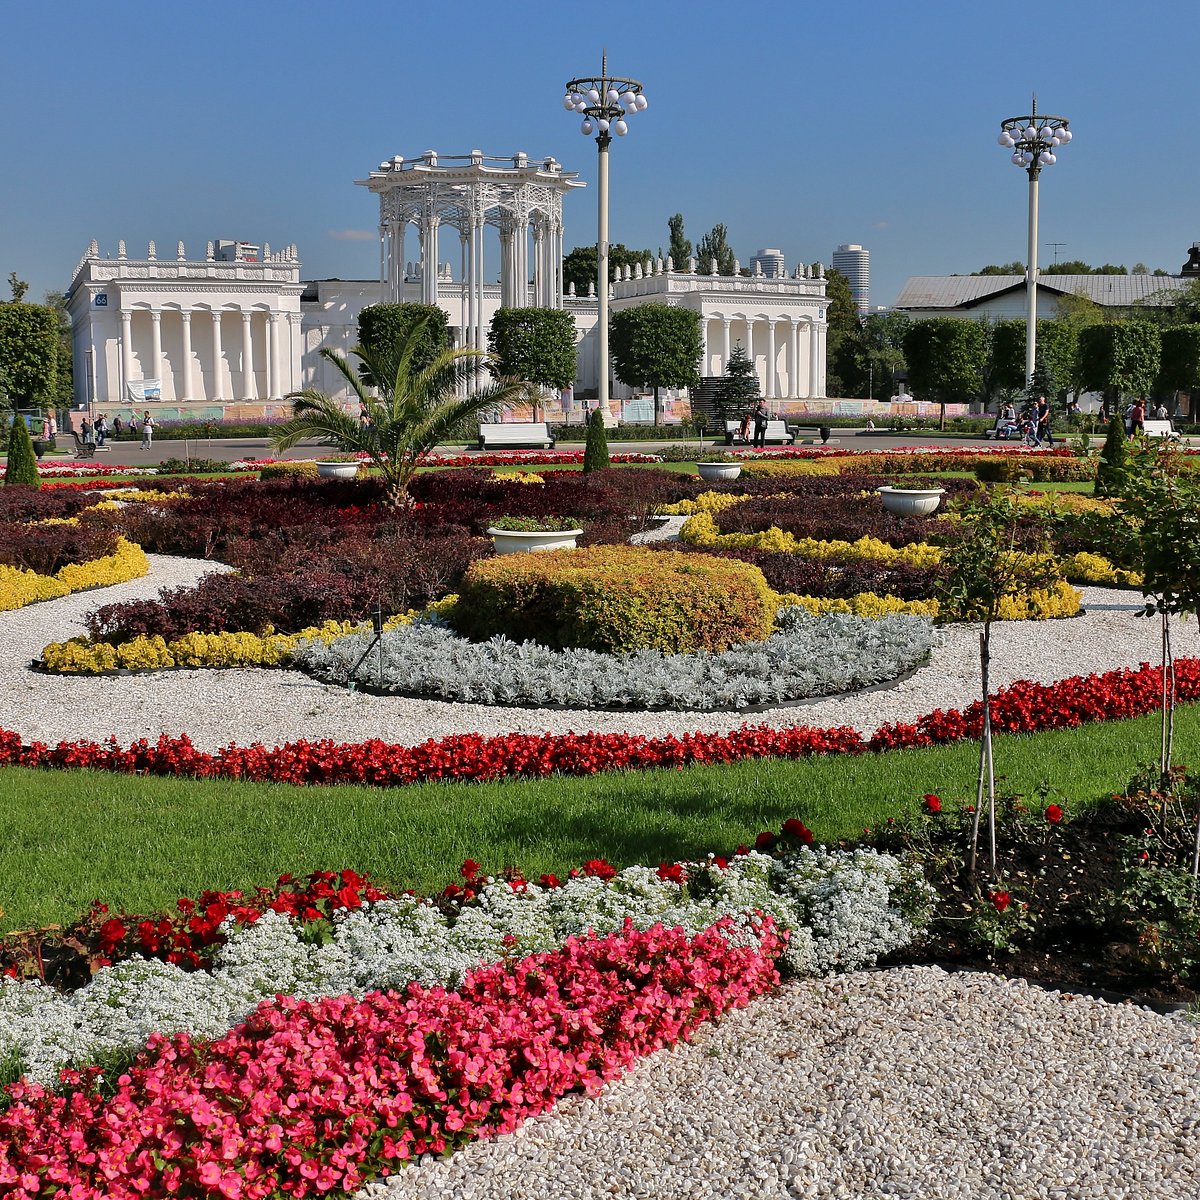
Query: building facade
x=230, y=335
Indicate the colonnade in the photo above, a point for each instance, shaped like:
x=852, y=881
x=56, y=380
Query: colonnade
x=232, y=373
x=781, y=333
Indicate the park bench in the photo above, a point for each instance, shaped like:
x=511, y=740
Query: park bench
x=777, y=431
x=82, y=449
x=511, y=434
x=1161, y=429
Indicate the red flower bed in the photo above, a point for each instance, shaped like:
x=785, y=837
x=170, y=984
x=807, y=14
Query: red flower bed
x=1022, y=708
x=307, y=1097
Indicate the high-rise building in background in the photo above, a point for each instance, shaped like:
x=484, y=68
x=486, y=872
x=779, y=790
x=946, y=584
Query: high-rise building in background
x=855, y=263
x=774, y=265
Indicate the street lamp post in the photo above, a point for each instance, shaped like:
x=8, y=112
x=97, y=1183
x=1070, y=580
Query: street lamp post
x=1033, y=139
x=605, y=103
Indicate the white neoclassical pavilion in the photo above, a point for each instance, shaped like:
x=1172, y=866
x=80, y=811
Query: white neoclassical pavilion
x=466, y=194
x=210, y=334
x=779, y=321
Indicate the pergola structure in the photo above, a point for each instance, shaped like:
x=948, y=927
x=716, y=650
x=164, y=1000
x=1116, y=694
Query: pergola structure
x=469, y=192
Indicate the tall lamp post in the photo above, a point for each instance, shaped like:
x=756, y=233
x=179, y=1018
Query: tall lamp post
x=605, y=103
x=1033, y=139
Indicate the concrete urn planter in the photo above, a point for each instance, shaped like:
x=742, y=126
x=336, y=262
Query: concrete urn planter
x=911, y=502
x=518, y=541
x=337, y=470
x=717, y=471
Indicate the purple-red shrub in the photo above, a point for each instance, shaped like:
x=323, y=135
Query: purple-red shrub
x=47, y=548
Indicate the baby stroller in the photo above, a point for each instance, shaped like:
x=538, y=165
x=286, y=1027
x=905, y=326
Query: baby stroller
x=1029, y=430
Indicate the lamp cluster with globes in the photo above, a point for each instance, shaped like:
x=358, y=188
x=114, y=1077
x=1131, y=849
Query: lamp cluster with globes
x=608, y=110
x=1033, y=140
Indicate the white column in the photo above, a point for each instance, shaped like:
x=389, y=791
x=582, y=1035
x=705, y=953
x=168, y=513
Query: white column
x=275, y=388
x=156, y=345
x=218, y=357
x=295, y=344
x=480, y=327
x=126, y=352
x=814, y=349
x=772, y=387
x=384, y=282
x=793, y=360
x=185, y=318
x=539, y=267
x=249, y=387
x=724, y=344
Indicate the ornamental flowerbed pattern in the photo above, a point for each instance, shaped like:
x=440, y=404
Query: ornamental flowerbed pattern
x=306, y=1098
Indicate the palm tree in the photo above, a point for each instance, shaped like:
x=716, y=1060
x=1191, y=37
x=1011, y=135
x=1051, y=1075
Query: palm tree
x=416, y=407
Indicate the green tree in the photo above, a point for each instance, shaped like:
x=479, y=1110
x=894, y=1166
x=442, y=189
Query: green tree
x=870, y=357
x=19, y=287
x=29, y=350
x=595, y=449
x=1012, y=268
x=946, y=359
x=657, y=345
x=416, y=406
x=680, y=248
x=21, y=467
x=383, y=328
x=738, y=391
x=714, y=246
x=1120, y=357
x=579, y=267
x=1179, y=369
x=841, y=338
x=534, y=344
x=995, y=558
x=64, y=382
x=1113, y=465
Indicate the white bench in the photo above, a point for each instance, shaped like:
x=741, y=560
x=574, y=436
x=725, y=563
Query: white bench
x=777, y=431
x=515, y=433
x=1161, y=429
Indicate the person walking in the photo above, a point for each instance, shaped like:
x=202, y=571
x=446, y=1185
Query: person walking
x=1042, y=416
x=147, y=430
x=760, y=425
x=88, y=432
x=1137, y=417
x=101, y=428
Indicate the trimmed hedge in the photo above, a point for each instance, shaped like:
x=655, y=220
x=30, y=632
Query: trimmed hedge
x=616, y=598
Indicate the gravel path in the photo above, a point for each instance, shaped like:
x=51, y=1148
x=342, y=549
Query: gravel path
x=907, y=1083
x=273, y=707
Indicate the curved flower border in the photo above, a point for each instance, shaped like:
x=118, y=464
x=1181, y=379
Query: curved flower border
x=1025, y=707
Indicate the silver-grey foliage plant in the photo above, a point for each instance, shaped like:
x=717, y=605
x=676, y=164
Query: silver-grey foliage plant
x=807, y=657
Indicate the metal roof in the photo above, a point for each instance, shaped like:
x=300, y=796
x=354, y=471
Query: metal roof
x=966, y=291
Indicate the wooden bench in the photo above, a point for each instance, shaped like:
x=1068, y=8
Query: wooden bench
x=1161, y=429
x=777, y=431
x=83, y=449
x=512, y=434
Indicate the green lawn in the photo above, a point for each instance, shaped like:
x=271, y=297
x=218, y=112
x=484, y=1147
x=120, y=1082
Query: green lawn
x=140, y=842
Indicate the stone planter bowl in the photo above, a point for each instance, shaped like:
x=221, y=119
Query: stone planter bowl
x=715, y=471
x=911, y=502
x=518, y=541
x=337, y=470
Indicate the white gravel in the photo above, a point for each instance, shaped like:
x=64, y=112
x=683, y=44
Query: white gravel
x=907, y=1083
x=273, y=707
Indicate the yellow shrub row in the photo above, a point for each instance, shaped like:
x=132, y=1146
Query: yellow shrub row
x=766, y=468
x=517, y=477
x=19, y=587
x=139, y=496
x=1094, y=568
x=864, y=604
x=709, y=502
x=701, y=530
x=289, y=469
x=80, y=656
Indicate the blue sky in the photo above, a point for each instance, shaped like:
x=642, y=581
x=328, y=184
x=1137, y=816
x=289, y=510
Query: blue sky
x=800, y=126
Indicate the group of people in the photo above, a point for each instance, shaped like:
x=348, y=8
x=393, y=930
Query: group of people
x=759, y=418
x=95, y=432
x=1033, y=425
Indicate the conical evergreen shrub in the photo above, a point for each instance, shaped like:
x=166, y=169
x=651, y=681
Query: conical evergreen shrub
x=22, y=462
x=595, y=450
x=1114, y=459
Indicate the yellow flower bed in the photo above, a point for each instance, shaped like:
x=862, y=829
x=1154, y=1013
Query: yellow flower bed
x=81, y=656
x=701, y=530
x=1067, y=502
x=709, y=502
x=20, y=587
x=766, y=468
x=289, y=469
x=138, y=496
x=1044, y=604
x=1094, y=568
x=517, y=477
